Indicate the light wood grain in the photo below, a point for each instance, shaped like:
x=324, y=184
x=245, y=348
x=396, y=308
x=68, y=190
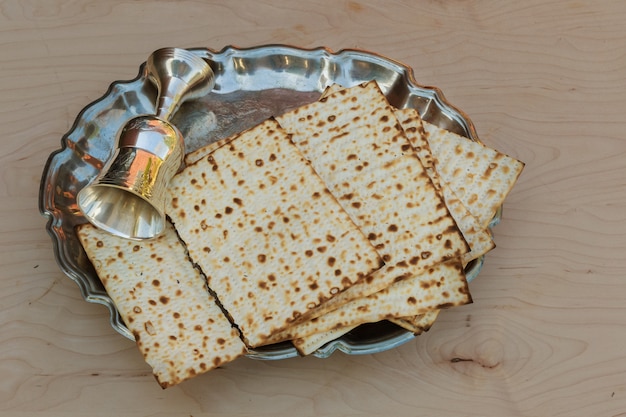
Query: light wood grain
x=544, y=81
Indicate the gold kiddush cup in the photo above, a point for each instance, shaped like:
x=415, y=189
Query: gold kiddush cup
x=128, y=197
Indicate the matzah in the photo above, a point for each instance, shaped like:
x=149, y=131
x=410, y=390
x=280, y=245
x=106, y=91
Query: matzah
x=163, y=300
x=358, y=148
x=417, y=324
x=309, y=344
x=478, y=237
x=438, y=287
x=481, y=177
x=271, y=239
x=195, y=156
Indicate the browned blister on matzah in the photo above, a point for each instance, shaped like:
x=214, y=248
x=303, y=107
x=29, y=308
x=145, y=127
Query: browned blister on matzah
x=272, y=240
x=164, y=302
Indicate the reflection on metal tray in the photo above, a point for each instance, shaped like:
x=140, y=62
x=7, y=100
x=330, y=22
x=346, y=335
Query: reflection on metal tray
x=251, y=85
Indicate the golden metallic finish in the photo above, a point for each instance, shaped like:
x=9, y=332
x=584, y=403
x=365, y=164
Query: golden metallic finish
x=178, y=75
x=128, y=197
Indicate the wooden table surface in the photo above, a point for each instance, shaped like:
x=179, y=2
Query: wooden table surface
x=543, y=81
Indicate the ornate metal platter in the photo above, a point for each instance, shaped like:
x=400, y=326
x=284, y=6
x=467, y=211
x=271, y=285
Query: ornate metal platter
x=251, y=85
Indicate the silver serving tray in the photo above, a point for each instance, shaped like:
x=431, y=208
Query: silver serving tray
x=251, y=85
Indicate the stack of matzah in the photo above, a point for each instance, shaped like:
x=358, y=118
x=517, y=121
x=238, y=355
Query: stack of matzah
x=472, y=180
x=342, y=212
x=273, y=242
